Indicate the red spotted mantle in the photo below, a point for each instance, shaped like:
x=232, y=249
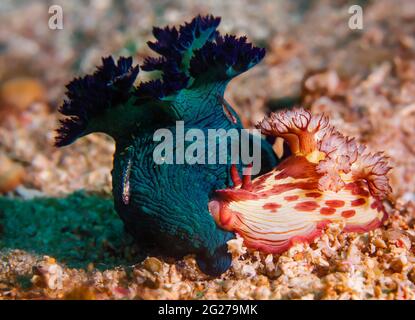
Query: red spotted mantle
x=328, y=178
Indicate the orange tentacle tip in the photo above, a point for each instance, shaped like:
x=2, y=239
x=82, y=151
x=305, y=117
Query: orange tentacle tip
x=328, y=178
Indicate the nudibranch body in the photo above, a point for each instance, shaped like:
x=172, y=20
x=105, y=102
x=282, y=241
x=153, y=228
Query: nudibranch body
x=164, y=204
x=328, y=178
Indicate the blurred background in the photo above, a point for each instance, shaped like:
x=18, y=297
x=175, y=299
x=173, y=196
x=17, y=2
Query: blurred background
x=364, y=79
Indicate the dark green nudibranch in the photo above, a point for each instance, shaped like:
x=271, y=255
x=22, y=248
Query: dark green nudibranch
x=165, y=206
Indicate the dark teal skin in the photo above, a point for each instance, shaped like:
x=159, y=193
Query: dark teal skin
x=168, y=207
x=165, y=206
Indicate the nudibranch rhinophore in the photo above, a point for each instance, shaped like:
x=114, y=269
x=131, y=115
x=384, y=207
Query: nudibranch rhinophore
x=327, y=178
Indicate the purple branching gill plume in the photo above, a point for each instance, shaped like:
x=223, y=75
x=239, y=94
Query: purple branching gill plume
x=192, y=50
x=89, y=96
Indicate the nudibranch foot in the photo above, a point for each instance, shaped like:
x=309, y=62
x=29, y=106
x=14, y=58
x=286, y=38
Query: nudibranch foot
x=328, y=178
x=217, y=263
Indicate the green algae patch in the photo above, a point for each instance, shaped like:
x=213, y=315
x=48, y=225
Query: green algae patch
x=77, y=230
